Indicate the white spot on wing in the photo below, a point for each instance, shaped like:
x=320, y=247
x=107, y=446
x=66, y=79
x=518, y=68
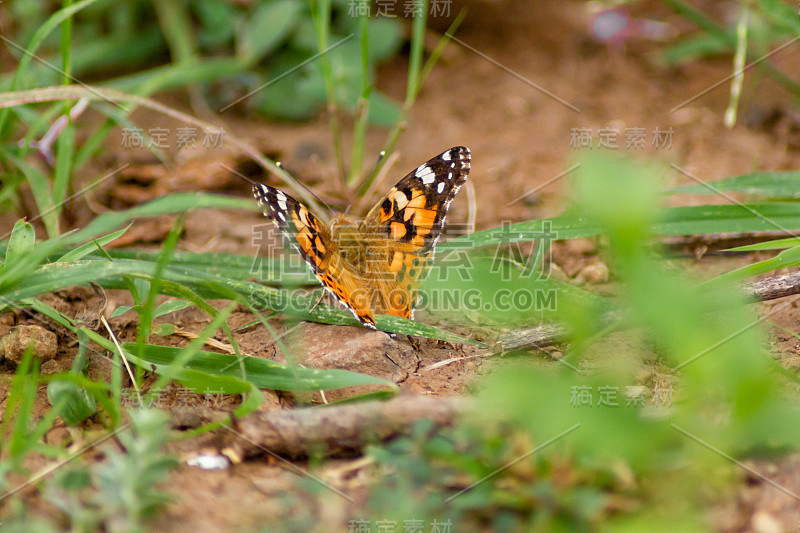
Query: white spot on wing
x=446, y=156
x=425, y=174
x=440, y=187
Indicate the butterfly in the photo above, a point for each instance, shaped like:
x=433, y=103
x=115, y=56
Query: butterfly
x=375, y=266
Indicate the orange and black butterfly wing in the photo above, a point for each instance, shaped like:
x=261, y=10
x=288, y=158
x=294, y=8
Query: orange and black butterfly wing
x=410, y=219
x=312, y=239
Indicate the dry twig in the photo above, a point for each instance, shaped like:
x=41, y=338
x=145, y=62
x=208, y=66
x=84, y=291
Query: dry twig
x=337, y=429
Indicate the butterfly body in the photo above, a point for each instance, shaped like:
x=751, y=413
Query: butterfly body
x=375, y=266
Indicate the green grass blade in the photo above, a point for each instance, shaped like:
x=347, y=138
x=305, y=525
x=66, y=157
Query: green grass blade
x=702, y=21
x=727, y=36
x=771, y=185
x=55, y=276
x=173, y=203
x=173, y=18
x=12, y=99
x=418, y=27
x=66, y=41
x=21, y=243
x=42, y=194
x=746, y=218
x=267, y=27
x=263, y=373
x=186, y=354
x=782, y=14
x=19, y=406
x=693, y=49
x=82, y=251
x=362, y=113
x=778, y=244
x=170, y=307
x=55, y=20
x=692, y=220
x=173, y=76
x=786, y=259
x=199, y=381
x=298, y=306
x=146, y=314
x=65, y=153
x=191, y=378
x=399, y=126
x=563, y=227
x=106, y=222
x=321, y=13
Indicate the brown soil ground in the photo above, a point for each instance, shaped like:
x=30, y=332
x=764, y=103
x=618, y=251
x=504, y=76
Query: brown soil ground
x=517, y=120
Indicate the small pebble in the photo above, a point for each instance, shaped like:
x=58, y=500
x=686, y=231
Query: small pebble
x=765, y=523
x=209, y=462
x=595, y=273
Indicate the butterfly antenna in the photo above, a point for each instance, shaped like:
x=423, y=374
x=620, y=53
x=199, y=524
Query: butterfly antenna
x=303, y=185
x=365, y=183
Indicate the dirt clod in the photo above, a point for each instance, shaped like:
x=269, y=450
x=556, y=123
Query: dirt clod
x=50, y=367
x=13, y=345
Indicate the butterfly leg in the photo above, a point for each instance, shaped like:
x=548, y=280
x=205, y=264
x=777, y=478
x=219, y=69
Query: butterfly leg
x=414, y=342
